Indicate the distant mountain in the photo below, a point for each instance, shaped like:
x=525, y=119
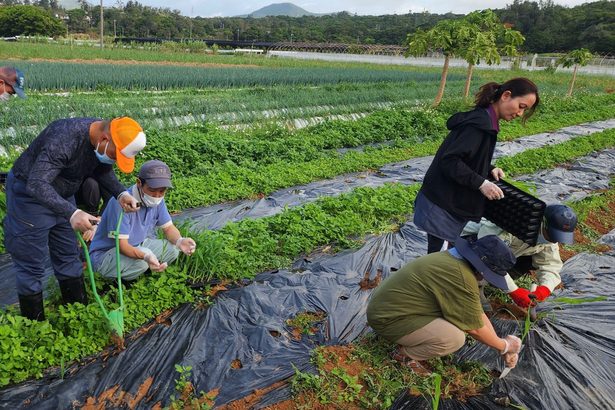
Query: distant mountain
x=280, y=9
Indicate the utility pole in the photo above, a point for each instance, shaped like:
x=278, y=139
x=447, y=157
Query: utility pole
x=191, y=16
x=102, y=41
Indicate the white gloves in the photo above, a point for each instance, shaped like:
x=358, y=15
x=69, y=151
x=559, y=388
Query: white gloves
x=128, y=202
x=80, y=220
x=511, y=351
x=186, y=245
x=491, y=190
x=152, y=261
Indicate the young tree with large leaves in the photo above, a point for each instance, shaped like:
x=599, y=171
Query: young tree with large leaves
x=489, y=40
x=575, y=58
x=450, y=37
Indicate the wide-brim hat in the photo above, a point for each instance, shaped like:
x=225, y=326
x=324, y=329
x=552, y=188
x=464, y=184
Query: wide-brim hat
x=490, y=257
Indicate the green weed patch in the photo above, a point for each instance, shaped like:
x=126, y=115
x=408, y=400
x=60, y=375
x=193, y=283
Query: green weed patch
x=72, y=332
x=363, y=375
x=250, y=246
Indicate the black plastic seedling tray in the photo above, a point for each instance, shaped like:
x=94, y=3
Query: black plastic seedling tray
x=518, y=212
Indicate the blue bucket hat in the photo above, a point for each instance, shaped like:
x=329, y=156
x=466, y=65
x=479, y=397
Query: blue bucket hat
x=490, y=257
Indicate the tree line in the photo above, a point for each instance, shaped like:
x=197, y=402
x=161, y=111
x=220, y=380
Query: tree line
x=546, y=26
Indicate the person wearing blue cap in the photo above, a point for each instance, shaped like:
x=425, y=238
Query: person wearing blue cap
x=140, y=250
x=429, y=305
x=558, y=226
x=11, y=83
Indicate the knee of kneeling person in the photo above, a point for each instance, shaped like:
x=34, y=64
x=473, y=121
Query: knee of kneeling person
x=134, y=271
x=456, y=341
x=174, y=253
x=453, y=342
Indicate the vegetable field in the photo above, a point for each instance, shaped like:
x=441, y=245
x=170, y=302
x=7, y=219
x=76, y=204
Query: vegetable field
x=242, y=132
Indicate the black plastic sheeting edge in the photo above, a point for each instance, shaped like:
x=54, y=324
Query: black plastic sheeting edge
x=567, y=361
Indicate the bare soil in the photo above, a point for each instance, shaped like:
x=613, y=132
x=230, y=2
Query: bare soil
x=115, y=398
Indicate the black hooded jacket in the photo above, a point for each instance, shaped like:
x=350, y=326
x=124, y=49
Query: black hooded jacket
x=461, y=164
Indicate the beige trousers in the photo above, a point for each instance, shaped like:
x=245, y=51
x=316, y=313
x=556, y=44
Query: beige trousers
x=435, y=339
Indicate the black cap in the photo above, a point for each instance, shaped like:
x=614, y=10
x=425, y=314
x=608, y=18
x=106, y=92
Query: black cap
x=489, y=256
x=156, y=174
x=560, y=221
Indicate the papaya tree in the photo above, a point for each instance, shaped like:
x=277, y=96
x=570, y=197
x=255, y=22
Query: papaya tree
x=575, y=58
x=489, y=40
x=448, y=37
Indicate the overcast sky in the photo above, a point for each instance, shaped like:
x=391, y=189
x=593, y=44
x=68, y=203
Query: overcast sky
x=363, y=7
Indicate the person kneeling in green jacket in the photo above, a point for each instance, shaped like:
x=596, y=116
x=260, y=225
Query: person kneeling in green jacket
x=429, y=305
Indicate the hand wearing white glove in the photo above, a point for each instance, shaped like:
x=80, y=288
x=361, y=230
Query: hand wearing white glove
x=497, y=173
x=513, y=344
x=491, y=190
x=511, y=359
x=128, y=202
x=186, y=245
x=153, y=262
x=81, y=221
x=511, y=351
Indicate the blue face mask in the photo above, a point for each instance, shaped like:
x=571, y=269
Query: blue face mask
x=103, y=158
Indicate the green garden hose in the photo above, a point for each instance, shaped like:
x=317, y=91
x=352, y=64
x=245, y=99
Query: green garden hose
x=115, y=318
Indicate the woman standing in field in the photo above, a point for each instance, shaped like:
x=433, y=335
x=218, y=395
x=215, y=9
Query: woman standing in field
x=456, y=183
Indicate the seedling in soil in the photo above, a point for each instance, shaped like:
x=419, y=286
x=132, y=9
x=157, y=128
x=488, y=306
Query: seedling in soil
x=437, y=386
x=527, y=324
x=187, y=396
x=305, y=323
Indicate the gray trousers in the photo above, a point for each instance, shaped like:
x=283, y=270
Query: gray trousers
x=132, y=268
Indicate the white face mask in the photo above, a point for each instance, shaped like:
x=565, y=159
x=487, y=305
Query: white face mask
x=147, y=200
x=150, y=201
x=5, y=96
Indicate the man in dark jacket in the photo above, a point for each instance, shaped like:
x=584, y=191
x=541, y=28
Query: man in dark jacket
x=41, y=212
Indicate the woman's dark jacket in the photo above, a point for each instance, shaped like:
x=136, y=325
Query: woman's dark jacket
x=461, y=164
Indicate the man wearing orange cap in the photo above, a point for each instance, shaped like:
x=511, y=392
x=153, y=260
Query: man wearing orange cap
x=41, y=212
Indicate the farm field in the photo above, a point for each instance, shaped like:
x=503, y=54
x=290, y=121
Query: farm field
x=244, y=128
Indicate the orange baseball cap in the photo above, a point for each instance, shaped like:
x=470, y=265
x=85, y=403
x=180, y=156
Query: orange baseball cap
x=129, y=139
